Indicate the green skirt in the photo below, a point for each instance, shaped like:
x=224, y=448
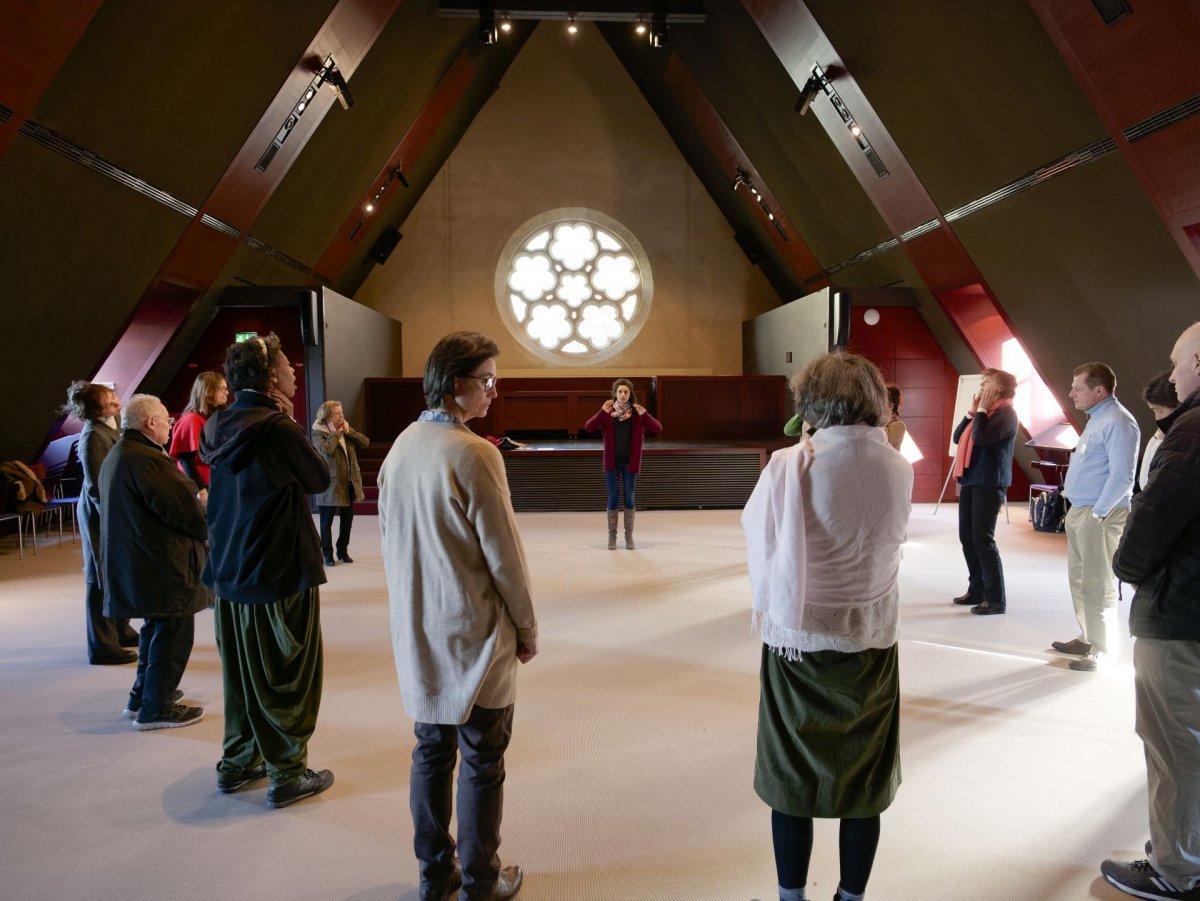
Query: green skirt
x=829, y=733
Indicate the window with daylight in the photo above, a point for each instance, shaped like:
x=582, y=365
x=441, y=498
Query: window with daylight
x=573, y=286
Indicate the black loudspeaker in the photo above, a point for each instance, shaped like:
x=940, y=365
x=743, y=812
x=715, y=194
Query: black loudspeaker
x=839, y=320
x=749, y=244
x=1111, y=11
x=310, y=318
x=384, y=245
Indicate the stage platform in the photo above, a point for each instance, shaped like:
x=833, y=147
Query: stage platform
x=568, y=475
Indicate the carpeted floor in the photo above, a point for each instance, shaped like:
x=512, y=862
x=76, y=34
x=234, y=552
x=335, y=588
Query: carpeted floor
x=629, y=775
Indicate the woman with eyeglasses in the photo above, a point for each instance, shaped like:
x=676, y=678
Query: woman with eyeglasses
x=96, y=406
x=209, y=394
x=624, y=422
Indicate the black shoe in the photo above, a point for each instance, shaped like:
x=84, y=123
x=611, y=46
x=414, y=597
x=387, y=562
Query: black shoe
x=967, y=599
x=176, y=717
x=130, y=642
x=115, y=659
x=311, y=783
x=228, y=783
x=444, y=891
x=986, y=609
x=1139, y=878
x=134, y=707
x=344, y=558
x=329, y=560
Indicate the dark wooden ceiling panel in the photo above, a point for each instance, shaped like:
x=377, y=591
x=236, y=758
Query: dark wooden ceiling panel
x=169, y=91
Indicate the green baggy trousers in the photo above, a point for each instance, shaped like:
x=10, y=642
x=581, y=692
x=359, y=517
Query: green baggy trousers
x=271, y=663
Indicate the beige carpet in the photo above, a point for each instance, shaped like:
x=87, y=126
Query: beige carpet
x=630, y=767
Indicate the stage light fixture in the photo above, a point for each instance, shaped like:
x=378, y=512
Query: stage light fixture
x=640, y=27
x=506, y=25
x=808, y=94
x=658, y=30
x=572, y=28
x=337, y=81
x=487, y=24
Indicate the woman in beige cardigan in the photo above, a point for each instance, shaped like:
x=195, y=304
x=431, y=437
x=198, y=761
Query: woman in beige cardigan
x=462, y=617
x=336, y=441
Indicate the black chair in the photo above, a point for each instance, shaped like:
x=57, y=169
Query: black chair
x=9, y=511
x=62, y=490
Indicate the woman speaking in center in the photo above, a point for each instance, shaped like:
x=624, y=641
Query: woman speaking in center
x=823, y=533
x=624, y=421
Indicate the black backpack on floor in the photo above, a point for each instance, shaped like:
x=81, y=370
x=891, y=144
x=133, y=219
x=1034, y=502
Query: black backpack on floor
x=1049, y=512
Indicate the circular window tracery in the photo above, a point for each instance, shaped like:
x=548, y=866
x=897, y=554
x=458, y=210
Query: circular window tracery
x=573, y=286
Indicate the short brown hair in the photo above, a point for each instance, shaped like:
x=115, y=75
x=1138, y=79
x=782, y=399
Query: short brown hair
x=839, y=388
x=457, y=355
x=1097, y=375
x=1006, y=382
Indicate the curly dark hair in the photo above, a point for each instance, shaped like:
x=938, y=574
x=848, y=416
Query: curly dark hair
x=85, y=400
x=628, y=384
x=249, y=363
x=457, y=355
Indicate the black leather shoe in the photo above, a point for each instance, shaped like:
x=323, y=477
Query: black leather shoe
x=329, y=560
x=311, y=783
x=444, y=891
x=115, y=659
x=966, y=600
x=986, y=609
x=228, y=783
x=344, y=558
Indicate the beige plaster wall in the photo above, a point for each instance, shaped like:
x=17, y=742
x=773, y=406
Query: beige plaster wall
x=569, y=128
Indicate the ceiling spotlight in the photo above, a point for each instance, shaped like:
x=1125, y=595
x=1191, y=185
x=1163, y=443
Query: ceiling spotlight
x=335, y=78
x=808, y=94
x=572, y=28
x=658, y=31
x=506, y=25
x=640, y=27
x=855, y=130
x=370, y=206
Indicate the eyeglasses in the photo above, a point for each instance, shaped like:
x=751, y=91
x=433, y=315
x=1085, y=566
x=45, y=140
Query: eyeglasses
x=489, y=381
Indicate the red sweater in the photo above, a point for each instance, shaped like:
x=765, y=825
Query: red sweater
x=642, y=423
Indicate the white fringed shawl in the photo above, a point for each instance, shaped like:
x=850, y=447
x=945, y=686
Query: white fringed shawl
x=823, y=533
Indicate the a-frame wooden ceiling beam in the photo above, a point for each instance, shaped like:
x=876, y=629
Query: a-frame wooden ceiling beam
x=241, y=192
x=35, y=40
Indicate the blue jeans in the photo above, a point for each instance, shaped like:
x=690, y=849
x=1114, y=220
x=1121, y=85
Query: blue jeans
x=630, y=479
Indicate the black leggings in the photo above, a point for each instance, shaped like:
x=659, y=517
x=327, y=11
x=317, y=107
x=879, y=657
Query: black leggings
x=793, y=838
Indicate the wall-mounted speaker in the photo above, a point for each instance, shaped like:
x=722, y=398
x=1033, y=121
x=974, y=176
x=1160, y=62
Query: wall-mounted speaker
x=384, y=245
x=310, y=318
x=749, y=244
x=839, y=319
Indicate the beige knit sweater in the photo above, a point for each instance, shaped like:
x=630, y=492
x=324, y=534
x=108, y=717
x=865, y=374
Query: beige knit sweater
x=457, y=580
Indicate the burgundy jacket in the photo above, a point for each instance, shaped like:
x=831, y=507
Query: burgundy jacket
x=603, y=421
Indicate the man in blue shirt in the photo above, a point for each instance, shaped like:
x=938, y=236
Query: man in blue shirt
x=1099, y=485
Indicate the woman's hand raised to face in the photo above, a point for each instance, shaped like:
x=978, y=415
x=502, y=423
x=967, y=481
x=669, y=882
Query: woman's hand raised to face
x=641, y=411
x=281, y=400
x=608, y=405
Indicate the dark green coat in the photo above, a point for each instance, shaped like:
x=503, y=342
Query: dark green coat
x=152, y=533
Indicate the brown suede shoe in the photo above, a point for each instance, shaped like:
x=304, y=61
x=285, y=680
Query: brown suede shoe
x=1074, y=646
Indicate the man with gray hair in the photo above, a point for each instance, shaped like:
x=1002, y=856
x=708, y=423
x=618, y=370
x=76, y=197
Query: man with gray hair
x=1160, y=554
x=152, y=540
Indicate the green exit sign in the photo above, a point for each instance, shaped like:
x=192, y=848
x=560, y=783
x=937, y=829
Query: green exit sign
x=239, y=337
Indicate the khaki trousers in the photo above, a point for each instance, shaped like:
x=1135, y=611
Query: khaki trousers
x=1167, y=694
x=1090, y=549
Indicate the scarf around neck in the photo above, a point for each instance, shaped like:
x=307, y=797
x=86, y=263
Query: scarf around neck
x=966, y=443
x=621, y=411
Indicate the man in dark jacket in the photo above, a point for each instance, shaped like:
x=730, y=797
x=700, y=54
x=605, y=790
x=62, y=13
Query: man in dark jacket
x=265, y=567
x=1160, y=554
x=152, y=533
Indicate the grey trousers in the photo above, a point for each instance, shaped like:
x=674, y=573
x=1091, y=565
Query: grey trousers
x=482, y=739
x=1167, y=693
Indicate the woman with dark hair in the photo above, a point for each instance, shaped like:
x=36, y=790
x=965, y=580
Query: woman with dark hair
x=895, y=427
x=983, y=466
x=462, y=618
x=1160, y=397
x=210, y=393
x=624, y=421
x=95, y=405
x=823, y=533
x=336, y=441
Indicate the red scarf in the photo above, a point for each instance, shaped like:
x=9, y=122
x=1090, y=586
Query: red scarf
x=966, y=442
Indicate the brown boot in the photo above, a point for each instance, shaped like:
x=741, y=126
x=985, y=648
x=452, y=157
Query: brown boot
x=612, y=530
x=629, y=529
